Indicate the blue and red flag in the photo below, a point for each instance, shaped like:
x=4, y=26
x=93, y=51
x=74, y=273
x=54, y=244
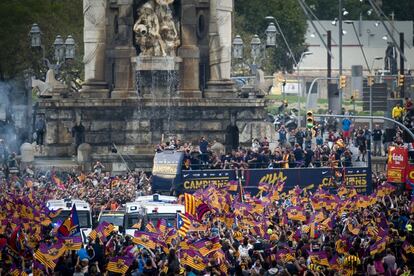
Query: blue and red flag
x=70, y=227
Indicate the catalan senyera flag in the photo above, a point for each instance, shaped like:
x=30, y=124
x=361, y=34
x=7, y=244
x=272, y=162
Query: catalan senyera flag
x=193, y=259
x=119, y=264
x=190, y=203
x=319, y=258
x=49, y=256
x=207, y=246
x=70, y=226
x=296, y=213
x=102, y=231
x=72, y=243
x=145, y=239
x=183, y=224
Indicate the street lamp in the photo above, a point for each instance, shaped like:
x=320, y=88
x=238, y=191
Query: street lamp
x=59, y=48
x=70, y=47
x=271, y=33
x=238, y=47
x=255, y=47
x=307, y=53
x=63, y=49
x=359, y=42
x=35, y=36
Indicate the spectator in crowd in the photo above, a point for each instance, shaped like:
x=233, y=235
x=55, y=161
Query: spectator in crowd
x=377, y=140
x=361, y=143
x=98, y=167
x=299, y=136
x=346, y=129
x=40, y=128
x=78, y=133
x=282, y=136
x=397, y=112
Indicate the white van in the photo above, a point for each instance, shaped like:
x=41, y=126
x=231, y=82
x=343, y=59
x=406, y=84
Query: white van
x=151, y=211
x=83, y=209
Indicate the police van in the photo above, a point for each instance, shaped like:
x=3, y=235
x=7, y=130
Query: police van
x=150, y=209
x=82, y=208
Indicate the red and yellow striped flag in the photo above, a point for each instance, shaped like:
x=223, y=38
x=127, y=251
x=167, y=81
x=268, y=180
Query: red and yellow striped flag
x=119, y=265
x=190, y=204
x=183, y=224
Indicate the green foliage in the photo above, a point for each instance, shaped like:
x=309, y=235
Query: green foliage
x=250, y=20
x=62, y=17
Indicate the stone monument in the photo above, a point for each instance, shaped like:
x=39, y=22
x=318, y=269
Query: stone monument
x=153, y=69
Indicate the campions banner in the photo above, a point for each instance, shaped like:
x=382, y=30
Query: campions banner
x=358, y=177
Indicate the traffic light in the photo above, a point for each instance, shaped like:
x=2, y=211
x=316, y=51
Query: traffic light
x=342, y=82
x=309, y=119
x=400, y=80
x=370, y=81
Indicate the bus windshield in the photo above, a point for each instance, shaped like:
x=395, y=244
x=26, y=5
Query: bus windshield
x=154, y=217
x=117, y=220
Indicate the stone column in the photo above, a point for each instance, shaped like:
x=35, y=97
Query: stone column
x=123, y=51
x=94, y=34
x=189, y=52
x=220, y=40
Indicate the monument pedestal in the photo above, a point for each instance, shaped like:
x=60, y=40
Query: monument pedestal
x=136, y=126
x=95, y=90
x=223, y=89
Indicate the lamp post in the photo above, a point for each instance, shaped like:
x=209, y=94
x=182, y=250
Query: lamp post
x=370, y=96
x=340, y=33
x=64, y=50
x=307, y=53
x=257, y=48
x=359, y=42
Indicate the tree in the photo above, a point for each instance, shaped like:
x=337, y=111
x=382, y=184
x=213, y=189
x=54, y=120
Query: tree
x=62, y=17
x=250, y=19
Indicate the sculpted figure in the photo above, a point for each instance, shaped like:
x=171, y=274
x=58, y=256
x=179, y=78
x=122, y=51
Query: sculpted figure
x=169, y=34
x=155, y=30
x=147, y=29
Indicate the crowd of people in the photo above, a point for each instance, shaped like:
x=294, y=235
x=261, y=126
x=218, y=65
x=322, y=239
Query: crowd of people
x=276, y=232
x=301, y=147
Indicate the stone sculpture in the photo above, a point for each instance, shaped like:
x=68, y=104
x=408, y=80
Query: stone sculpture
x=155, y=29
